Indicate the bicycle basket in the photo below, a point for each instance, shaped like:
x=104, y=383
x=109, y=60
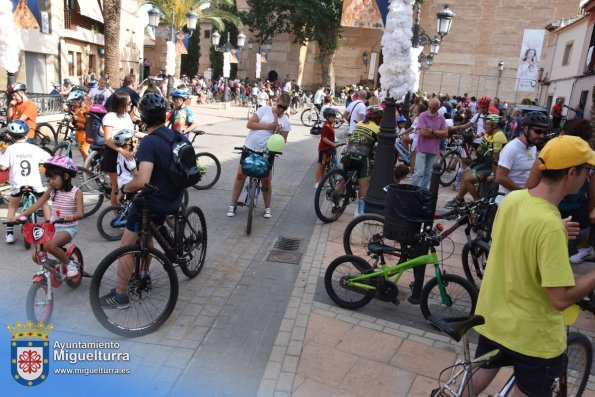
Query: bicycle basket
x=255, y=165
x=38, y=233
x=407, y=207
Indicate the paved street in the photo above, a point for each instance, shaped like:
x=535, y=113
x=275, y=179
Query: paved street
x=247, y=326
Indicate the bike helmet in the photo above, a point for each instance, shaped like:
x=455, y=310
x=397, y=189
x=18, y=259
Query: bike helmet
x=536, y=119
x=98, y=109
x=17, y=128
x=179, y=94
x=493, y=119
x=151, y=102
x=401, y=119
x=61, y=163
x=374, y=113
x=329, y=112
x=16, y=87
x=122, y=136
x=484, y=102
x=75, y=95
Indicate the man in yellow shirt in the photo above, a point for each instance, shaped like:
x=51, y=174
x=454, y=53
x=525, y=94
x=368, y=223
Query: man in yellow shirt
x=528, y=279
x=485, y=166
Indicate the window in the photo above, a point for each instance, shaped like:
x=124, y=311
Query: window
x=79, y=64
x=567, y=54
x=92, y=65
x=207, y=34
x=70, y=63
x=583, y=100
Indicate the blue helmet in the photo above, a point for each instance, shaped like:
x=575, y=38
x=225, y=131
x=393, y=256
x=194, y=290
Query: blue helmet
x=401, y=119
x=17, y=128
x=74, y=95
x=179, y=94
x=152, y=101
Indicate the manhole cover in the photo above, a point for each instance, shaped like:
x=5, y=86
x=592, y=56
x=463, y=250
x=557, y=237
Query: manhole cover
x=283, y=256
x=288, y=244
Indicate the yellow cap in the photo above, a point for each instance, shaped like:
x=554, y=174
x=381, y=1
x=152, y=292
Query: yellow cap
x=564, y=152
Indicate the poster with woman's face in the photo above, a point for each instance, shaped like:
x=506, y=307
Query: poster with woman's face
x=528, y=69
x=369, y=14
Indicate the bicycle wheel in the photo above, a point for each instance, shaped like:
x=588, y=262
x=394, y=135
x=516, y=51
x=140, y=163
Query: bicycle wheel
x=578, y=361
x=45, y=133
x=449, y=167
x=195, y=242
x=475, y=258
x=170, y=220
x=210, y=170
x=77, y=257
x=460, y=292
x=93, y=164
x=111, y=222
x=28, y=201
x=361, y=231
x=251, y=204
x=330, y=199
x=40, y=303
x=338, y=272
x=93, y=191
x=152, y=290
x=63, y=149
x=309, y=117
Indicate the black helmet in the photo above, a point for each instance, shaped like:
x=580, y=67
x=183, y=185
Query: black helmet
x=375, y=113
x=151, y=102
x=536, y=119
x=329, y=112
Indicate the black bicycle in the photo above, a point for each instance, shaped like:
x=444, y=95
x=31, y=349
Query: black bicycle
x=147, y=275
x=208, y=164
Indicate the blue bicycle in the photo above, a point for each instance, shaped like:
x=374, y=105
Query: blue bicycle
x=402, y=153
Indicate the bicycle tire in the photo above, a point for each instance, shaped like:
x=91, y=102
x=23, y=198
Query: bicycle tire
x=577, y=364
x=328, y=204
x=93, y=191
x=108, y=230
x=210, y=170
x=195, y=242
x=33, y=303
x=93, y=164
x=47, y=150
x=45, y=130
x=307, y=117
x=449, y=167
x=77, y=257
x=334, y=286
x=63, y=149
x=475, y=259
x=431, y=302
x=140, y=290
x=360, y=231
x=251, y=204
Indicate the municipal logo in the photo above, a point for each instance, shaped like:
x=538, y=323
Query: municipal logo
x=29, y=352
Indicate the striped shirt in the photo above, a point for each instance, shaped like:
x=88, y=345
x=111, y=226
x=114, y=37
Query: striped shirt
x=64, y=203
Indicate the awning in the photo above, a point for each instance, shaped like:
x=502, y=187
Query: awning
x=91, y=9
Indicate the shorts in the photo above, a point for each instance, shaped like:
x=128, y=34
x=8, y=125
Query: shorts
x=72, y=230
x=324, y=157
x=361, y=165
x=534, y=376
x=133, y=222
x=109, y=162
x=481, y=171
x=81, y=137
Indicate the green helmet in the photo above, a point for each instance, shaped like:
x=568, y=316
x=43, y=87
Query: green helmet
x=493, y=119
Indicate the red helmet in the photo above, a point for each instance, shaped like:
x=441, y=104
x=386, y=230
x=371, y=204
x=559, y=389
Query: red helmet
x=484, y=102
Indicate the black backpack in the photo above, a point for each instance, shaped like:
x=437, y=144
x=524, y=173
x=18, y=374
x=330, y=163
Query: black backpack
x=183, y=170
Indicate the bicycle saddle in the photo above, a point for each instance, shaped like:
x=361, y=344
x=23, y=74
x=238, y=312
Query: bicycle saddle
x=456, y=327
x=378, y=248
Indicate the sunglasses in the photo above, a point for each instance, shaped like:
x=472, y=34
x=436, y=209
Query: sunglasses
x=539, y=132
x=282, y=107
x=590, y=171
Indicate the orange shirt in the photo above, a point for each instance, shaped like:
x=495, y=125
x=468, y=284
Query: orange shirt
x=80, y=112
x=28, y=108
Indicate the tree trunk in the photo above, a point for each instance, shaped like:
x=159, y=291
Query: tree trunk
x=111, y=16
x=327, y=59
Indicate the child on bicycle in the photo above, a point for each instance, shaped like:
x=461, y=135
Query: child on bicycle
x=126, y=169
x=326, y=147
x=181, y=117
x=22, y=159
x=79, y=110
x=67, y=203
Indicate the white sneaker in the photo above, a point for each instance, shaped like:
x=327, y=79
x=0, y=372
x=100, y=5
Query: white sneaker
x=267, y=213
x=582, y=254
x=316, y=185
x=72, y=270
x=10, y=238
x=231, y=210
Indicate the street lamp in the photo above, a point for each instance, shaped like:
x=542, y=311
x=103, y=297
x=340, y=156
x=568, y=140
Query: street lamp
x=500, y=69
x=444, y=20
x=226, y=48
x=365, y=58
x=191, y=20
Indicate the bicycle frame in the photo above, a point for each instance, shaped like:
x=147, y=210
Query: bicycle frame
x=252, y=180
x=403, y=152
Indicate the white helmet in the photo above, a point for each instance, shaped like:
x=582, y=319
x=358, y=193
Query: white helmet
x=122, y=136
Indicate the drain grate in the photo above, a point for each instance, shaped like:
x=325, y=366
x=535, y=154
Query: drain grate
x=288, y=244
x=283, y=256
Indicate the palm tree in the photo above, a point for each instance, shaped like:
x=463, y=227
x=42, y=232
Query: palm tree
x=111, y=16
x=206, y=13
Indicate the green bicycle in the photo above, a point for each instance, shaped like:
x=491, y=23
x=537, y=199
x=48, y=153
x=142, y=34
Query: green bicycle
x=351, y=282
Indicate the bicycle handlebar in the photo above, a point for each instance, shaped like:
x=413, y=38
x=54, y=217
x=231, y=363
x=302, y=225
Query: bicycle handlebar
x=243, y=148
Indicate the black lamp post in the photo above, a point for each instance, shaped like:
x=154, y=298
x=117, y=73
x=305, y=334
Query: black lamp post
x=226, y=48
x=383, y=173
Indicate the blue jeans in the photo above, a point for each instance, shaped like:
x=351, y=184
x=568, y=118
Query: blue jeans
x=423, y=169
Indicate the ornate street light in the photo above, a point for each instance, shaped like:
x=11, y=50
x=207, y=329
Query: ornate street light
x=154, y=16
x=421, y=38
x=226, y=48
x=444, y=22
x=365, y=58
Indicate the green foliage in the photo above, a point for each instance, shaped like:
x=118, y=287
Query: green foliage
x=216, y=15
x=189, y=65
